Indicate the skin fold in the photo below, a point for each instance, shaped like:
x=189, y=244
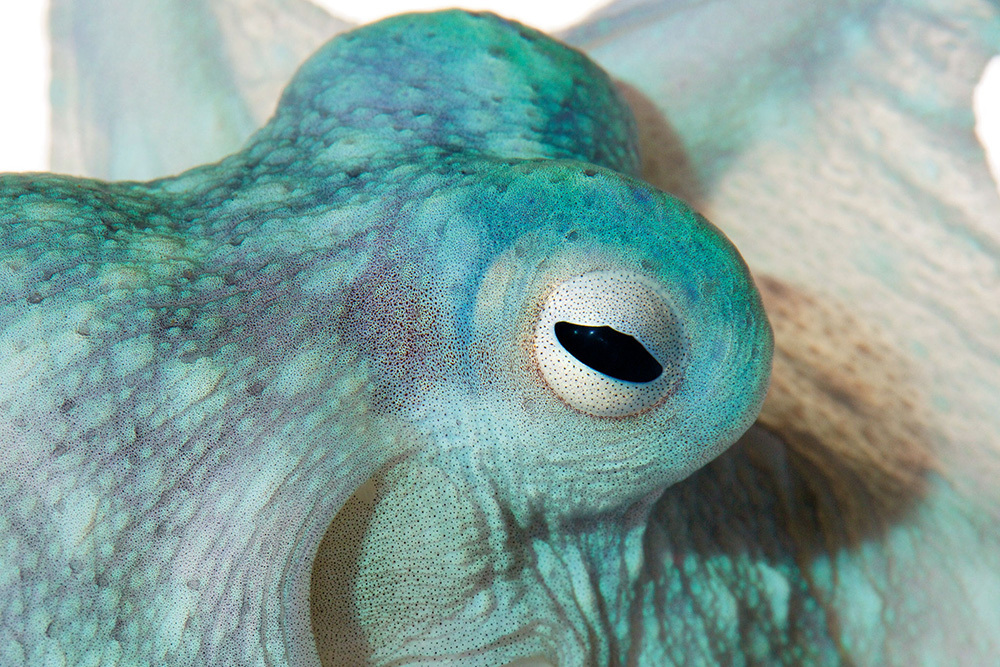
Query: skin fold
x=325, y=342
x=217, y=361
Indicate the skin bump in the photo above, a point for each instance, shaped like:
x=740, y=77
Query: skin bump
x=202, y=388
x=340, y=305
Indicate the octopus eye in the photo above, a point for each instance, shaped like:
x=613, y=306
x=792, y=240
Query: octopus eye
x=609, y=344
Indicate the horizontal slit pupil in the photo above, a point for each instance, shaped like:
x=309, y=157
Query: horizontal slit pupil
x=609, y=351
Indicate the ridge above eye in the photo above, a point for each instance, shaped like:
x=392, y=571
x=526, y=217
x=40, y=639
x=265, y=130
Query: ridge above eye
x=609, y=351
x=609, y=344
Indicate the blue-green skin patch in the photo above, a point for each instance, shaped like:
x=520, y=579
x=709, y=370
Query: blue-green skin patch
x=198, y=372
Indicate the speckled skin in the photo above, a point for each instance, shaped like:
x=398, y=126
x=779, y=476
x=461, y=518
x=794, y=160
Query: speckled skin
x=198, y=372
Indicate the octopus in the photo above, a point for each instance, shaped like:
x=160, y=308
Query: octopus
x=433, y=369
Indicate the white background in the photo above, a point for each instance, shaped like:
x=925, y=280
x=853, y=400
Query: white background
x=24, y=115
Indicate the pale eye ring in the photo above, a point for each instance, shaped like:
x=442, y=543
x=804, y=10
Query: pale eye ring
x=609, y=343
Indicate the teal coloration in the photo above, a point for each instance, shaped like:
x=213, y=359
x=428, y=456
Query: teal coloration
x=196, y=411
x=333, y=332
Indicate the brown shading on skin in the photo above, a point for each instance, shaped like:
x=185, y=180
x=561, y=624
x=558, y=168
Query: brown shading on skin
x=668, y=166
x=846, y=405
x=334, y=573
x=427, y=573
x=843, y=401
x=841, y=455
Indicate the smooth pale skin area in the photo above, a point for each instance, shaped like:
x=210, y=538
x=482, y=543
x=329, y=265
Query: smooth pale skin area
x=200, y=371
x=834, y=142
x=165, y=86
